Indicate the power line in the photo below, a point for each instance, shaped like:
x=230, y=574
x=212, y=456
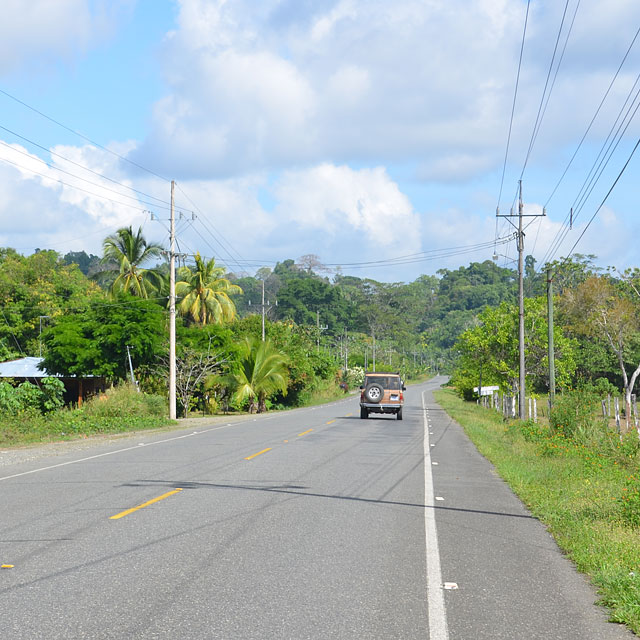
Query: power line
x=598, y=167
x=80, y=135
x=540, y=114
x=595, y=115
x=513, y=106
x=83, y=167
x=626, y=164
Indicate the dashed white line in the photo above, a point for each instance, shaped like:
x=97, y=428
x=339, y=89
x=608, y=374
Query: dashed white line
x=435, y=596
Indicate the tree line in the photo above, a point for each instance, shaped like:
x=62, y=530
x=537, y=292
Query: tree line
x=81, y=312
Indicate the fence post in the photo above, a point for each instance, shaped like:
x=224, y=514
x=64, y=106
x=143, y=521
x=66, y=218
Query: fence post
x=535, y=410
x=530, y=405
x=608, y=405
x=616, y=404
x=604, y=409
x=513, y=406
x=635, y=409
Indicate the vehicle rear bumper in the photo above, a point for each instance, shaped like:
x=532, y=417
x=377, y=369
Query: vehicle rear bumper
x=381, y=408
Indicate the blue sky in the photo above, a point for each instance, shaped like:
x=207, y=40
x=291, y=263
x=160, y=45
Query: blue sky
x=356, y=130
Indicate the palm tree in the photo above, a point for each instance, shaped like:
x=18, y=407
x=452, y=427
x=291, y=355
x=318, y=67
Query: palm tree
x=125, y=252
x=263, y=371
x=205, y=293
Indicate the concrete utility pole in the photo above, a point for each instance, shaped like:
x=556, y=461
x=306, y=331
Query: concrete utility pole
x=522, y=393
x=172, y=311
x=133, y=380
x=263, y=311
x=319, y=329
x=552, y=363
x=520, y=238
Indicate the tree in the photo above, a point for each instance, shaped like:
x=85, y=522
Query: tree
x=262, y=371
x=125, y=253
x=205, y=293
x=489, y=351
x=192, y=369
x=599, y=309
x=94, y=341
x=34, y=290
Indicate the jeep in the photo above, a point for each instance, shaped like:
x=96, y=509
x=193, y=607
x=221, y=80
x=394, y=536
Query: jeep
x=381, y=393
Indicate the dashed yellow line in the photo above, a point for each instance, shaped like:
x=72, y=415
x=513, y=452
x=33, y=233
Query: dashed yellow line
x=304, y=433
x=348, y=415
x=145, y=504
x=258, y=454
x=331, y=422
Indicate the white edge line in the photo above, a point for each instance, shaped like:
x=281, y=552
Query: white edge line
x=435, y=596
x=110, y=453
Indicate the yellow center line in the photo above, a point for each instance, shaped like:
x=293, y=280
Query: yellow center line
x=145, y=504
x=305, y=432
x=331, y=422
x=259, y=453
x=348, y=414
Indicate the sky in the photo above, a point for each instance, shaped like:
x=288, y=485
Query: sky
x=375, y=134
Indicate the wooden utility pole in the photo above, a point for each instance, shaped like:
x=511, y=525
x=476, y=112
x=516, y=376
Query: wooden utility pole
x=172, y=312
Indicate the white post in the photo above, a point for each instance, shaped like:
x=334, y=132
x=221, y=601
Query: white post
x=172, y=312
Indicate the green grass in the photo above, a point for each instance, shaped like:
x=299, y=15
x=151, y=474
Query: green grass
x=118, y=411
x=588, y=495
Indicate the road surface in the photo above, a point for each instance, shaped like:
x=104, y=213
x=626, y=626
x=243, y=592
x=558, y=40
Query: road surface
x=311, y=523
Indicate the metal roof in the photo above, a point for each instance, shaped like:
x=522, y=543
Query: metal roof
x=23, y=368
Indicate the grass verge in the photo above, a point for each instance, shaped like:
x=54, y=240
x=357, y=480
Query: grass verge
x=588, y=497
x=120, y=410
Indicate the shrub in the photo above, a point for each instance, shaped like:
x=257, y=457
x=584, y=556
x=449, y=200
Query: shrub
x=574, y=415
x=52, y=397
x=125, y=401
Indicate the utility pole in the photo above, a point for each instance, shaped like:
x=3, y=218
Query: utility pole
x=551, y=356
x=520, y=238
x=262, y=310
x=40, y=334
x=172, y=311
x=319, y=328
x=521, y=394
x=133, y=380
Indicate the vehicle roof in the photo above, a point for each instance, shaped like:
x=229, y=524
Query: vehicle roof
x=382, y=373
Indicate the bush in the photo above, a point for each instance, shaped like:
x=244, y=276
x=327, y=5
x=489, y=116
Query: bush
x=574, y=415
x=125, y=401
x=29, y=398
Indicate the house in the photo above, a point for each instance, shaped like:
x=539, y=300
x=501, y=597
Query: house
x=77, y=389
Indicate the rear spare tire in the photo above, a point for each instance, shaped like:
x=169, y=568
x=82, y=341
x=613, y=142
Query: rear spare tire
x=373, y=393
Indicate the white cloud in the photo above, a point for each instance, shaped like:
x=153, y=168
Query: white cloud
x=365, y=205
x=36, y=33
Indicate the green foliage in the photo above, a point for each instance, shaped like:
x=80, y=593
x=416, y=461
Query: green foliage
x=95, y=342
x=573, y=415
x=206, y=293
x=29, y=398
x=124, y=255
x=34, y=291
x=52, y=394
x=490, y=350
x=261, y=372
x=125, y=401
x=9, y=401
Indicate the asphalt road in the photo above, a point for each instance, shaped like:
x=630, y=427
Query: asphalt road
x=305, y=524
